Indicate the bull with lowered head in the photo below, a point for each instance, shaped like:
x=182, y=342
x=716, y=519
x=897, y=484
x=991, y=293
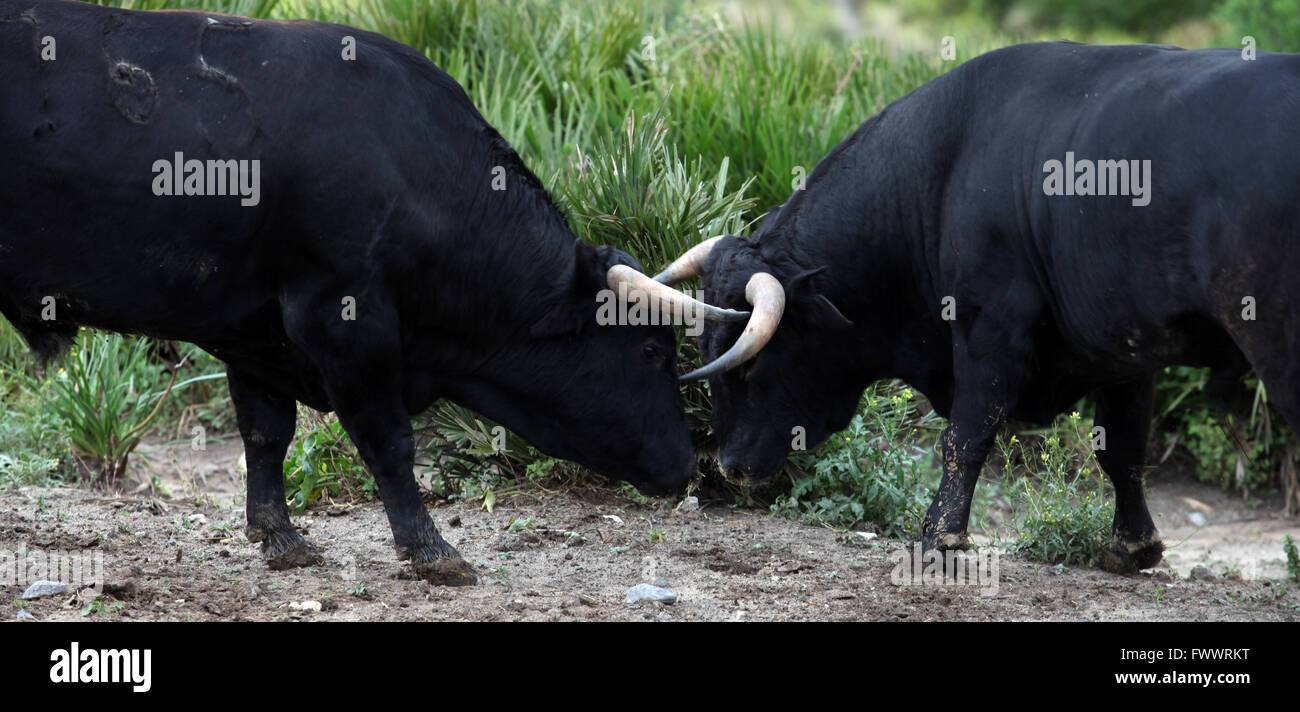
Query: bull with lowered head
x=1044, y=222
x=395, y=249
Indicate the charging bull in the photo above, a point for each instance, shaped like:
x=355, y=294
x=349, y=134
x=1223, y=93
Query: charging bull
x=1044, y=222
x=323, y=209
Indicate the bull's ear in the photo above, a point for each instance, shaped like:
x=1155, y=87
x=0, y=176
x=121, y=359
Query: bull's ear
x=816, y=307
x=588, y=268
x=826, y=315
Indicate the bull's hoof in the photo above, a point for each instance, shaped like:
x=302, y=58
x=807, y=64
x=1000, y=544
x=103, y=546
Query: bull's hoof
x=286, y=549
x=1129, y=556
x=945, y=542
x=433, y=559
x=446, y=571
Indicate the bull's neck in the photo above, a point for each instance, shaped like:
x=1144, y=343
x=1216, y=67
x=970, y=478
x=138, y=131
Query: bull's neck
x=863, y=217
x=498, y=278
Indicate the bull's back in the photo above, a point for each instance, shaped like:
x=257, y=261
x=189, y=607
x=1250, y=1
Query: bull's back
x=82, y=132
x=1213, y=136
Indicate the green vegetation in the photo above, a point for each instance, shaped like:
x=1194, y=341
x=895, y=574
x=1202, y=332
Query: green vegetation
x=1292, y=558
x=868, y=472
x=1063, y=502
x=1246, y=451
x=1275, y=24
x=107, y=397
x=323, y=462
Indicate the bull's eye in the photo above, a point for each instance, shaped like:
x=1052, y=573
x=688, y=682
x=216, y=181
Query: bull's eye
x=650, y=352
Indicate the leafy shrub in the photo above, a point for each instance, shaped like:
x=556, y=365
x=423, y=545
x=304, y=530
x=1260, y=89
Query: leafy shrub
x=107, y=395
x=1244, y=451
x=867, y=473
x=1064, y=509
x=322, y=461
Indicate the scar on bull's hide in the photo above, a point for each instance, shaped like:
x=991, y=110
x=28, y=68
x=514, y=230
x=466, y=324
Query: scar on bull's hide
x=133, y=90
x=29, y=17
x=208, y=71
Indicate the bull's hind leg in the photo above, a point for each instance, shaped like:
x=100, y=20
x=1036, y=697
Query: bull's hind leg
x=361, y=363
x=1124, y=413
x=266, y=423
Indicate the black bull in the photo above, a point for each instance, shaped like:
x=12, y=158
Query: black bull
x=952, y=242
x=378, y=246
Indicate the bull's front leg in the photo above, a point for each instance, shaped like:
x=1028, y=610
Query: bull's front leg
x=989, y=375
x=966, y=443
x=361, y=364
x=382, y=433
x=266, y=422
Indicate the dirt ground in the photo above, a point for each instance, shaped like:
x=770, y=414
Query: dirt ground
x=574, y=554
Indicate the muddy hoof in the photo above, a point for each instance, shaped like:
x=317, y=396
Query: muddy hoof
x=1127, y=557
x=446, y=571
x=288, y=550
x=945, y=542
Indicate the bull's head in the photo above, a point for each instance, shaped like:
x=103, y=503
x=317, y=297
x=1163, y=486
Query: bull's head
x=597, y=391
x=776, y=385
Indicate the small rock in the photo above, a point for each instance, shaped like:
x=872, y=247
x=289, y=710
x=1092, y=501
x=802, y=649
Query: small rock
x=44, y=588
x=1200, y=573
x=688, y=505
x=305, y=606
x=23, y=615
x=613, y=518
x=1197, y=518
x=517, y=606
x=646, y=592
x=455, y=521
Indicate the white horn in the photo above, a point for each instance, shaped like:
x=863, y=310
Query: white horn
x=689, y=264
x=681, y=304
x=767, y=296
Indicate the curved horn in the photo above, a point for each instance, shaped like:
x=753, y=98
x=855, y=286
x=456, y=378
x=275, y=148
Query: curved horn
x=689, y=264
x=681, y=304
x=767, y=296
